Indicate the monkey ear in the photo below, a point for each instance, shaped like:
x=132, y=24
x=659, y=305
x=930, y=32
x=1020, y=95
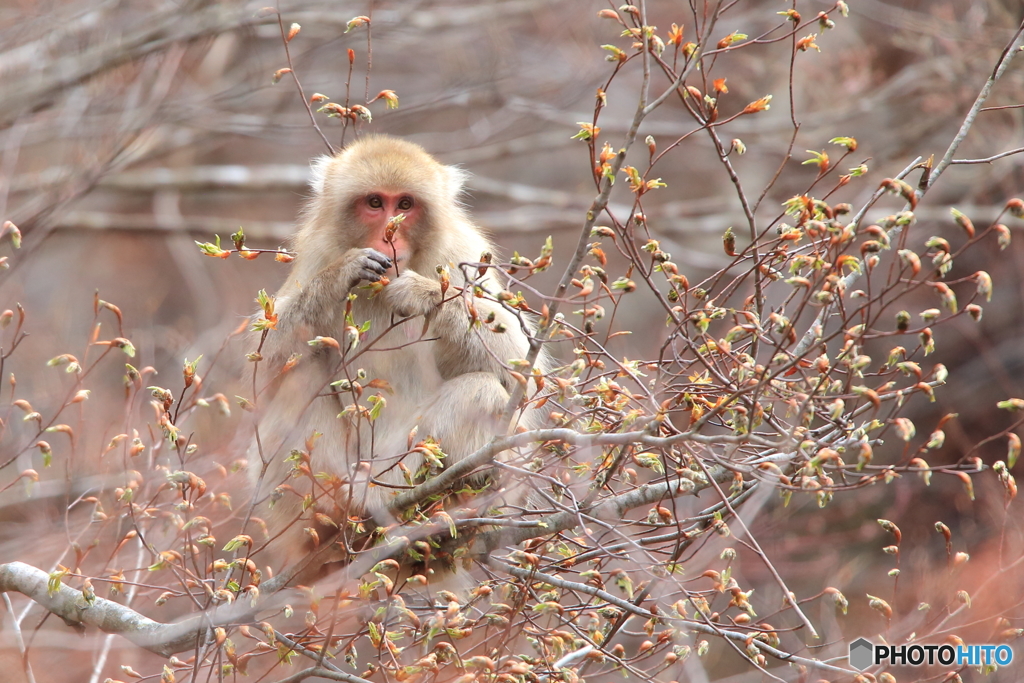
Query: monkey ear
x=457, y=178
x=318, y=173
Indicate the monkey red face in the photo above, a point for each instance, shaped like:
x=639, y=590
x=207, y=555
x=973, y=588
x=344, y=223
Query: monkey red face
x=387, y=231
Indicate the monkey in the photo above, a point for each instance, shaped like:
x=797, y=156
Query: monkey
x=383, y=224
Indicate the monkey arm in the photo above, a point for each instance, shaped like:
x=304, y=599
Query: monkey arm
x=318, y=301
x=306, y=310
x=459, y=349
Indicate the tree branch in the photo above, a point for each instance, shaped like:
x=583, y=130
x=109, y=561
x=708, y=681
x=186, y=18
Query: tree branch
x=612, y=508
x=532, y=576
x=168, y=639
x=1011, y=50
x=1009, y=53
x=40, y=89
x=69, y=604
x=987, y=160
x=110, y=617
x=482, y=457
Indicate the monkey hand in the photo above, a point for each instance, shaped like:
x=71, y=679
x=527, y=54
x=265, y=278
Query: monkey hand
x=412, y=294
x=362, y=264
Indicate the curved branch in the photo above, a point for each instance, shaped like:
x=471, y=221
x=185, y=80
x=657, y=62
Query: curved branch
x=111, y=617
x=612, y=508
x=69, y=604
x=449, y=476
x=531, y=575
x=168, y=639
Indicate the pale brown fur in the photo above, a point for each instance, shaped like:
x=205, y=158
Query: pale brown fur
x=447, y=380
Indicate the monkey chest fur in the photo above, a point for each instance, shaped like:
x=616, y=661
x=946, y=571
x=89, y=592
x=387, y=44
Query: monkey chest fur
x=368, y=430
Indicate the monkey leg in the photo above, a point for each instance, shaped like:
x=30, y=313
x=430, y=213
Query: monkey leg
x=463, y=415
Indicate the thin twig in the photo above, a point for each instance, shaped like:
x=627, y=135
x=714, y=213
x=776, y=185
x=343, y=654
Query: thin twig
x=788, y=594
x=987, y=160
x=298, y=85
x=1008, y=54
x=19, y=639
x=533, y=575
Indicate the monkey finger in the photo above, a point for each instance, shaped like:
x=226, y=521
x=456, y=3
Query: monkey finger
x=378, y=259
x=370, y=275
x=370, y=265
x=372, y=256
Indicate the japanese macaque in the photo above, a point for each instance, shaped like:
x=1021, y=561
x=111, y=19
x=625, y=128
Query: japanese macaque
x=384, y=224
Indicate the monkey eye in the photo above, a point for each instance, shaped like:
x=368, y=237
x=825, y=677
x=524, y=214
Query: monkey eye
x=405, y=203
x=374, y=201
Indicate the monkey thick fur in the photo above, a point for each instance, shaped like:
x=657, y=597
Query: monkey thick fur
x=441, y=377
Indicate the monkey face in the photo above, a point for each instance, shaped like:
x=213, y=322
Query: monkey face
x=388, y=219
x=388, y=195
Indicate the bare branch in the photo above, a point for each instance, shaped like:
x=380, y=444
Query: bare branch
x=451, y=475
x=533, y=575
x=611, y=508
x=1009, y=53
x=70, y=605
x=110, y=617
x=987, y=160
x=154, y=33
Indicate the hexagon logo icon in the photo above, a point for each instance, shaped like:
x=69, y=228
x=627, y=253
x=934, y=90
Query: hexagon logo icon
x=860, y=654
